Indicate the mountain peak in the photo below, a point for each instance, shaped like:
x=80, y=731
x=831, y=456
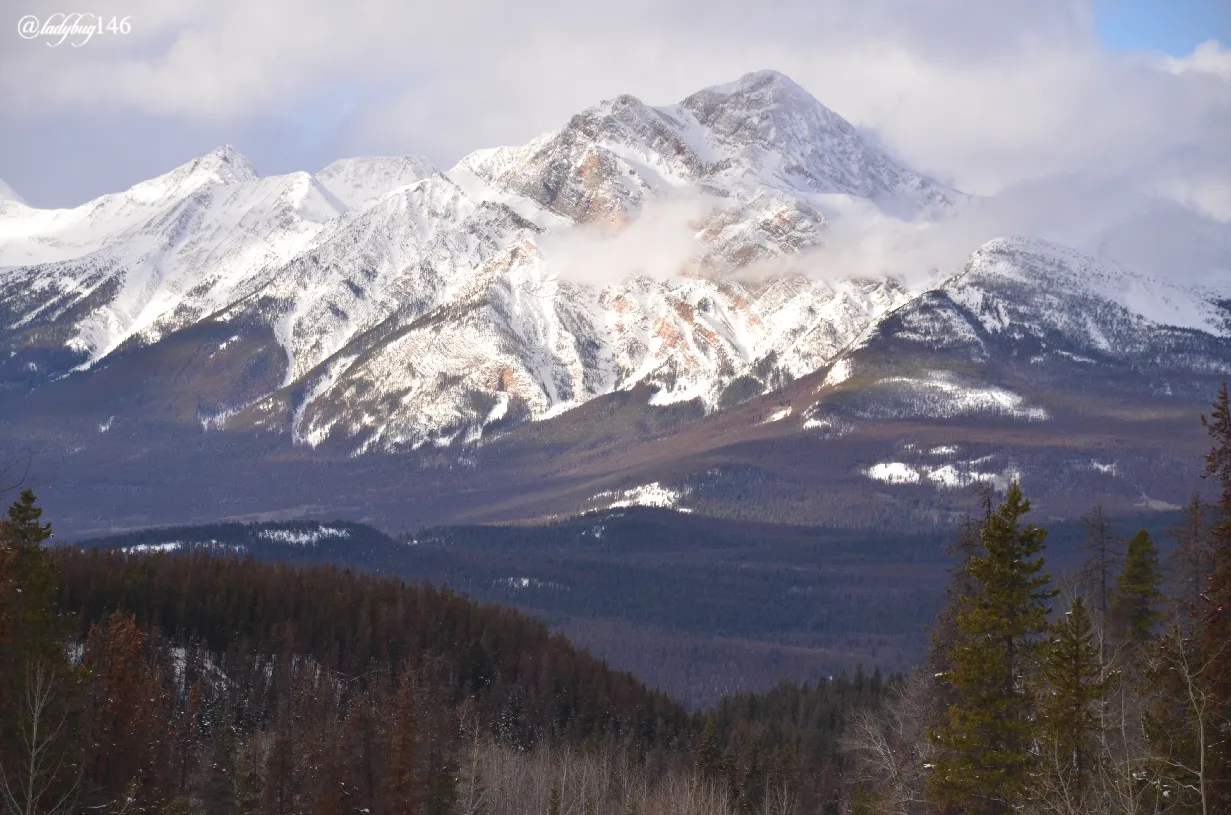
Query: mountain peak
x=228, y=163
x=356, y=181
x=7, y=193
x=1024, y=271
x=760, y=90
x=792, y=140
x=768, y=77
x=222, y=165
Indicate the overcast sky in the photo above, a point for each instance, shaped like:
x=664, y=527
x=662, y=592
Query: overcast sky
x=984, y=94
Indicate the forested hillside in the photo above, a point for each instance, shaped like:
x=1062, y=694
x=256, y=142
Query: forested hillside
x=192, y=681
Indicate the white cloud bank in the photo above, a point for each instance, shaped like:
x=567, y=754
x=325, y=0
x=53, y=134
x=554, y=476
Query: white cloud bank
x=992, y=96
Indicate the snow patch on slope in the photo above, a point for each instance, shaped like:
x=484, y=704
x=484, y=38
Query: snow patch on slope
x=942, y=395
x=357, y=181
x=947, y=477
x=653, y=494
x=304, y=538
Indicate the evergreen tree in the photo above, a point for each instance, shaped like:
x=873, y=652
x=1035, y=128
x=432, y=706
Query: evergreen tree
x=34, y=630
x=36, y=681
x=1075, y=686
x=1098, y=571
x=944, y=634
x=7, y=590
x=1216, y=623
x=709, y=751
x=1135, y=599
x=217, y=791
x=984, y=745
x=1190, y=563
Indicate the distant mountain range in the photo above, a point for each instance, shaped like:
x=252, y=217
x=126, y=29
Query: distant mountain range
x=629, y=309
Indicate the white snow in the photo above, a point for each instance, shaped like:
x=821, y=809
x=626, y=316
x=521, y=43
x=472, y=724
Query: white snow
x=839, y=373
x=169, y=546
x=653, y=494
x=948, y=476
x=942, y=394
x=893, y=472
x=357, y=181
x=304, y=538
x=526, y=583
x=777, y=415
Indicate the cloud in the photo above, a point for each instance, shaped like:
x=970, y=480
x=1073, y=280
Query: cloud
x=988, y=95
x=659, y=243
x=1207, y=58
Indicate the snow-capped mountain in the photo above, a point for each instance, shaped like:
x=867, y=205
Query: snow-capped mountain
x=356, y=181
x=412, y=306
x=382, y=305
x=1032, y=316
x=138, y=264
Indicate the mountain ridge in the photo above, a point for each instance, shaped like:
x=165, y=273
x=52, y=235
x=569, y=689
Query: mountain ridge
x=663, y=267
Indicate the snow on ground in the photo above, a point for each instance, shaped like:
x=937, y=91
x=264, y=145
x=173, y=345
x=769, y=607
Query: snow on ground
x=839, y=373
x=893, y=472
x=653, y=494
x=942, y=395
x=142, y=548
x=946, y=477
x=307, y=538
x=777, y=415
x=526, y=583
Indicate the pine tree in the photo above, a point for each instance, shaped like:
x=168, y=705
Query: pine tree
x=1216, y=622
x=1190, y=563
x=944, y=634
x=7, y=590
x=1098, y=571
x=34, y=629
x=709, y=751
x=1135, y=598
x=34, y=668
x=1075, y=686
x=984, y=745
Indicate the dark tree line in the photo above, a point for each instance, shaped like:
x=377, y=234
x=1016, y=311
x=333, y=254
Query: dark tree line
x=199, y=682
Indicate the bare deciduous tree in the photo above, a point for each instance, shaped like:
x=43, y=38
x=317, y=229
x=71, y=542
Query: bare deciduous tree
x=890, y=750
x=35, y=783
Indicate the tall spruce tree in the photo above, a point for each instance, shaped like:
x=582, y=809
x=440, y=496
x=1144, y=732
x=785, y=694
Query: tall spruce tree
x=984, y=746
x=36, y=743
x=1190, y=563
x=945, y=634
x=1102, y=559
x=1216, y=622
x=34, y=629
x=1074, y=689
x=1135, y=599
